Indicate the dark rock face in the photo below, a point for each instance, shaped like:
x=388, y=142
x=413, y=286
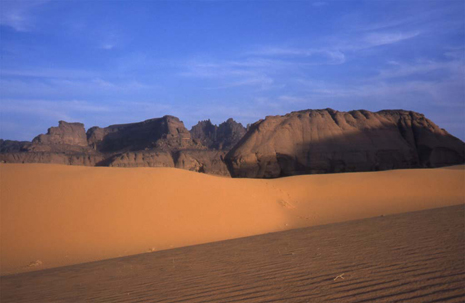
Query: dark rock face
x=310, y=141
x=205, y=133
x=161, y=142
x=67, y=138
x=328, y=141
x=167, y=133
x=65, y=133
x=203, y=161
x=142, y=159
x=222, y=137
x=10, y=146
x=52, y=157
x=229, y=133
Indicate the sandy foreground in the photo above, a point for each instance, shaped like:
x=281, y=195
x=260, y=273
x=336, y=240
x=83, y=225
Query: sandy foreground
x=53, y=215
x=409, y=257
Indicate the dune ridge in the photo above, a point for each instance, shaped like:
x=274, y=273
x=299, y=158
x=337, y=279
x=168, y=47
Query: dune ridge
x=62, y=215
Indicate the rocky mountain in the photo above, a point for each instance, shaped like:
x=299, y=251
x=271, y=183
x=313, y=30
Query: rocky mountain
x=222, y=137
x=310, y=141
x=328, y=141
x=160, y=142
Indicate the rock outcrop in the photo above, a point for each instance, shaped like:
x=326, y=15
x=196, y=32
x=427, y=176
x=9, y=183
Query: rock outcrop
x=304, y=142
x=65, y=134
x=52, y=157
x=11, y=146
x=142, y=159
x=222, y=137
x=160, y=142
x=167, y=133
x=228, y=134
x=204, y=132
x=328, y=141
x=208, y=161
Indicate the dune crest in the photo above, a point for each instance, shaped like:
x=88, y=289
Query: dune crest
x=65, y=215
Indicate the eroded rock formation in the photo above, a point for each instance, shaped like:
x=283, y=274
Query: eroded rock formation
x=310, y=141
x=160, y=142
x=328, y=141
x=222, y=137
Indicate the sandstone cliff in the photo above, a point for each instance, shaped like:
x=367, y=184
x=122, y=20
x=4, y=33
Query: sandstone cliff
x=160, y=142
x=204, y=132
x=11, y=146
x=304, y=142
x=65, y=134
x=166, y=133
x=328, y=141
x=222, y=137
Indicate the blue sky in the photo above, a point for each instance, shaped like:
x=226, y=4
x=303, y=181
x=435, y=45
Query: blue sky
x=108, y=62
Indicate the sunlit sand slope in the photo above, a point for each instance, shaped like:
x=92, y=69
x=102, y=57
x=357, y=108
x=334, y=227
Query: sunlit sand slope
x=54, y=215
x=411, y=257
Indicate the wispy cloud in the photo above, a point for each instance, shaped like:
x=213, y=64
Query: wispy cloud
x=107, y=46
x=258, y=68
x=109, y=39
x=262, y=82
x=234, y=73
x=384, y=38
x=291, y=99
x=400, y=84
x=80, y=111
x=57, y=110
x=47, y=73
x=11, y=105
x=18, y=14
x=452, y=69
x=307, y=56
x=319, y=3
x=45, y=85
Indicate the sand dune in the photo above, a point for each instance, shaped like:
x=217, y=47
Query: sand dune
x=410, y=257
x=54, y=215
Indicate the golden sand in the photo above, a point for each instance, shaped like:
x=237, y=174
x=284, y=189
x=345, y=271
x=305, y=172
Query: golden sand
x=53, y=215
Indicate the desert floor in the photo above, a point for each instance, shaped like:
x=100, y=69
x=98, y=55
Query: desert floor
x=410, y=257
x=53, y=215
